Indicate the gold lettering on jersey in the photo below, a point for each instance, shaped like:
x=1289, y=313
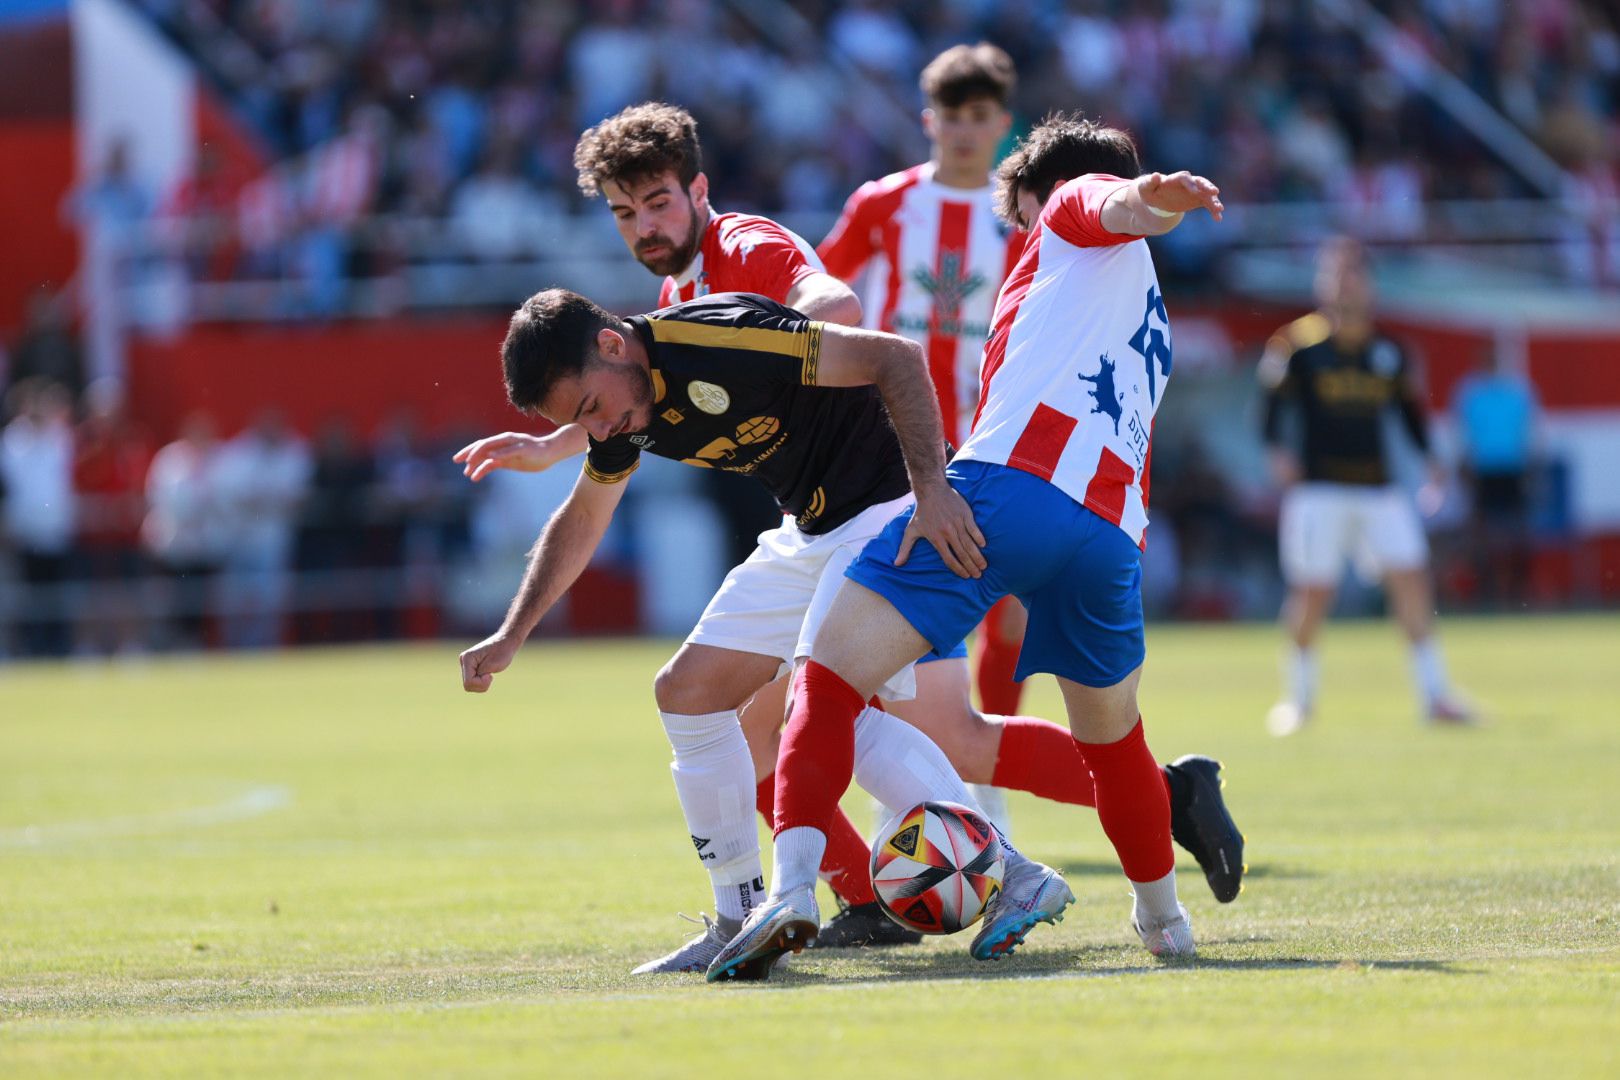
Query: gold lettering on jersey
x=721, y=451
x=757, y=429
x=818, y=504
x=1352, y=388
x=672, y=416
x=765, y=455
x=710, y=398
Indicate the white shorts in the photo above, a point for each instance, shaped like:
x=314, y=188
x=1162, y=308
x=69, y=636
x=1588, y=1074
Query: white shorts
x=1323, y=525
x=774, y=601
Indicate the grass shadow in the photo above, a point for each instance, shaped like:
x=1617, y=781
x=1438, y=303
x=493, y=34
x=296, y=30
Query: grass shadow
x=1103, y=868
x=1076, y=962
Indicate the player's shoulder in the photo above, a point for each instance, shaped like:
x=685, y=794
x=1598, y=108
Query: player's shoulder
x=1305, y=332
x=736, y=232
x=724, y=309
x=889, y=190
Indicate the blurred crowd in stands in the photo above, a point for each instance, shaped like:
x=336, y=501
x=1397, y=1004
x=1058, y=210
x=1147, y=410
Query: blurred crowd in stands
x=111, y=544
x=467, y=114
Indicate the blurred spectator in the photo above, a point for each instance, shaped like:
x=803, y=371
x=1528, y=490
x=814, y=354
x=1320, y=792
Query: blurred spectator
x=47, y=348
x=1497, y=415
x=110, y=208
x=109, y=476
x=183, y=530
x=263, y=476
x=334, y=538
x=36, y=464
x=496, y=214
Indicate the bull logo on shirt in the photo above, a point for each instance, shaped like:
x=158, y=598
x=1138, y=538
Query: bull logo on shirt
x=1107, y=397
x=949, y=288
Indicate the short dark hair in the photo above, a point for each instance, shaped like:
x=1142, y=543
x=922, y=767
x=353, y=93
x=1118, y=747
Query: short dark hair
x=550, y=338
x=1062, y=147
x=965, y=72
x=641, y=141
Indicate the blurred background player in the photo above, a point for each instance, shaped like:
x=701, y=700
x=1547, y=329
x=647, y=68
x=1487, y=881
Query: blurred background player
x=934, y=255
x=1341, y=376
x=646, y=162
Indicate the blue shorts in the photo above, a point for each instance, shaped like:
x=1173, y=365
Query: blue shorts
x=958, y=652
x=1079, y=576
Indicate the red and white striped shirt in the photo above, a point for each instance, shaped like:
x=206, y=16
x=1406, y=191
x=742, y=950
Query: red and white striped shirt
x=938, y=256
x=743, y=253
x=1078, y=359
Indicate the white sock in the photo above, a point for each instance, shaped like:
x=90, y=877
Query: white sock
x=993, y=801
x=1429, y=671
x=796, y=859
x=901, y=767
x=1302, y=678
x=1156, y=902
x=714, y=780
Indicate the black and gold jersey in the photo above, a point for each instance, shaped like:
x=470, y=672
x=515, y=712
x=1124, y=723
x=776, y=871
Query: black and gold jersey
x=1341, y=392
x=734, y=384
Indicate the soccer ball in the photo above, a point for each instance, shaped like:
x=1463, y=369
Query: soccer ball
x=936, y=867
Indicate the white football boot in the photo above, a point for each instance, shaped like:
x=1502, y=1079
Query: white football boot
x=780, y=925
x=697, y=954
x=1030, y=893
x=1169, y=941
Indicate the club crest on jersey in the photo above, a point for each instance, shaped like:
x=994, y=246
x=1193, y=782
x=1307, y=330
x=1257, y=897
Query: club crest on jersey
x=712, y=399
x=949, y=288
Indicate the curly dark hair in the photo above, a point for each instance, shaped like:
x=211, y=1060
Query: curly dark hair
x=639, y=142
x=1061, y=147
x=551, y=337
x=965, y=72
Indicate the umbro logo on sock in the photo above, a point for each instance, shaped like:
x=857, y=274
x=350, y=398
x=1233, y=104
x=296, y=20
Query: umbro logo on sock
x=701, y=842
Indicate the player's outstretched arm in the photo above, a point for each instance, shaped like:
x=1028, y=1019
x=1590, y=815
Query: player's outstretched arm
x=826, y=299
x=1153, y=204
x=562, y=552
x=520, y=452
x=898, y=369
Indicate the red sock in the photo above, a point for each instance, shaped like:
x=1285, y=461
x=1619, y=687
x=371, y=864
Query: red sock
x=847, y=865
x=817, y=759
x=995, y=663
x=1042, y=758
x=1133, y=804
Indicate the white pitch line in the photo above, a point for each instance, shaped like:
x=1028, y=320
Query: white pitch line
x=255, y=802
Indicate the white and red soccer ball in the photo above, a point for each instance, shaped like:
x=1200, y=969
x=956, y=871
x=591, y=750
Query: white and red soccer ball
x=936, y=867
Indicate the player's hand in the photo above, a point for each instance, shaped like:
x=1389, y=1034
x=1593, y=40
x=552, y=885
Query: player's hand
x=1180, y=192
x=943, y=519
x=509, y=450
x=1285, y=468
x=481, y=663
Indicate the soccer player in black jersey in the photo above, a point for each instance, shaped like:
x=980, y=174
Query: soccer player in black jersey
x=1341, y=376
x=841, y=426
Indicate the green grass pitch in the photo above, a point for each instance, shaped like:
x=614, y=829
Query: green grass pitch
x=337, y=863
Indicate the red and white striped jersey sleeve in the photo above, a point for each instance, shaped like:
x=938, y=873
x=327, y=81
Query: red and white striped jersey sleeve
x=857, y=235
x=1074, y=211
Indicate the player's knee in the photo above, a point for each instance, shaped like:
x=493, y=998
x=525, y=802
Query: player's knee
x=673, y=689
